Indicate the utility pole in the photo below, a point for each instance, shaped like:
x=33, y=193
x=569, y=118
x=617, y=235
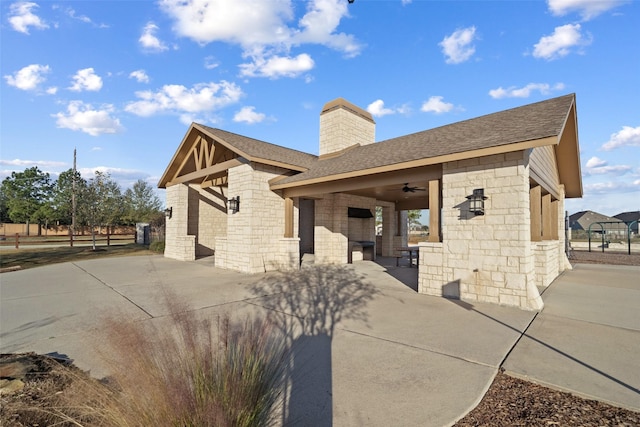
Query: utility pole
x=73, y=198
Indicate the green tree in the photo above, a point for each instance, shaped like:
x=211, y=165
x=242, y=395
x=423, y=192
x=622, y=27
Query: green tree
x=100, y=203
x=4, y=209
x=413, y=217
x=141, y=203
x=26, y=192
x=63, y=195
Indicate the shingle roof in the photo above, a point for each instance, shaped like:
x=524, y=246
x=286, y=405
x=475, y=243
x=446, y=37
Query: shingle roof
x=530, y=122
x=256, y=149
x=583, y=219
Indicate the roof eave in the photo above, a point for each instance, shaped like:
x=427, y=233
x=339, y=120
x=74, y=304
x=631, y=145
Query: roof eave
x=568, y=155
x=427, y=161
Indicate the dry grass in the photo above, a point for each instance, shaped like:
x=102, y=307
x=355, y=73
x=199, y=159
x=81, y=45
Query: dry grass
x=30, y=258
x=184, y=371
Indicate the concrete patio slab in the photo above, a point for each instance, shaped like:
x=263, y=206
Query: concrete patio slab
x=587, y=338
x=391, y=358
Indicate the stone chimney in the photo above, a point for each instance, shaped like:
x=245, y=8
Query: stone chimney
x=343, y=125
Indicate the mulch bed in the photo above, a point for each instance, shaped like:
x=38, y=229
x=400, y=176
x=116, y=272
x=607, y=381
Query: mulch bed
x=514, y=402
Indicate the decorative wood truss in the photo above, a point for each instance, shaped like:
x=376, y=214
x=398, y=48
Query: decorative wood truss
x=205, y=163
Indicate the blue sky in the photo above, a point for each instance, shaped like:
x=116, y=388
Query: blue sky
x=121, y=80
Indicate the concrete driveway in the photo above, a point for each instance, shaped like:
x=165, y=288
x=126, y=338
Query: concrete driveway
x=370, y=351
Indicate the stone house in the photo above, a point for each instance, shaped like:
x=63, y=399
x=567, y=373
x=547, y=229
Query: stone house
x=494, y=185
x=598, y=224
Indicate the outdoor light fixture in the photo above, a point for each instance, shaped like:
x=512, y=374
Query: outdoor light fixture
x=234, y=204
x=168, y=212
x=476, y=201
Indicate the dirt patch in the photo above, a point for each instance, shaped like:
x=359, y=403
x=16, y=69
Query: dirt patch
x=599, y=257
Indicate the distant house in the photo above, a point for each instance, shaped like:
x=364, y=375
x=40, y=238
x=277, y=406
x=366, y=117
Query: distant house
x=494, y=186
x=630, y=217
x=597, y=223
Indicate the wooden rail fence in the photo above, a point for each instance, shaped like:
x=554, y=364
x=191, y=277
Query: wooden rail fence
x=109, y=238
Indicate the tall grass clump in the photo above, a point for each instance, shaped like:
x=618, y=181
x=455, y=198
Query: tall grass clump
x=180, y=370
x=189, y=371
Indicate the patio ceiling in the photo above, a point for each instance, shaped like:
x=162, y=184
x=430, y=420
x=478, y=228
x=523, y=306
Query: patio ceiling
x=383, y=186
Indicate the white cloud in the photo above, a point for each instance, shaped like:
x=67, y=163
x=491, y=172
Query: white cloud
x=148, y=39
x=115, y=173
x=83, y=117
x=29, y=77
x=210, y=63
x=628, y=136
x=586, y=8
x=561, y=42
x=376, y=108
x=612, y=187
x=52, y=90
x=405, y=2
x=31, y=163
x=458, y=46
x=21, y=17
x=277, y=66
x=86, y=79
x=140, y=75
x=262, y=28
x=319, y=24
x=248, y=115
x=597, y=166
x=524, y=92
x=435, y=104
x=178, y=99
x=123, y=177
x=595, y=162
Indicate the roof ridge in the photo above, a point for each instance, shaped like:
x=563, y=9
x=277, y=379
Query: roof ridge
x=484, y=116
x=257, y=140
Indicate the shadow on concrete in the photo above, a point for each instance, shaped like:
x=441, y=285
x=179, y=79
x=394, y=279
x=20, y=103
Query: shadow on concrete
x=470, y=307
x=307, y=305
x=403, y=273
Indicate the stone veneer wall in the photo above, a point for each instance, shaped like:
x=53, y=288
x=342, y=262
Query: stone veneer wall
x=484, y=258
x=255, y=235
x=546, y=261
x=392, y=238
x=212, y=219
x=332, y=231
x=198, y=217
x=341, y=128
x=178, y=244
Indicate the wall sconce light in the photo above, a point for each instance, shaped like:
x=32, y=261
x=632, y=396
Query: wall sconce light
x=476, y=201
x=234, y=204
x=168, y=212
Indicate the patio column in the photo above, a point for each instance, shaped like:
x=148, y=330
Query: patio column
x=434, y=211
x=288, y=217
x=555, y=209
x=547, y=220
x=535, y=207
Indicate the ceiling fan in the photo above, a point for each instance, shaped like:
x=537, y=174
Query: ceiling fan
x=407, y=189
